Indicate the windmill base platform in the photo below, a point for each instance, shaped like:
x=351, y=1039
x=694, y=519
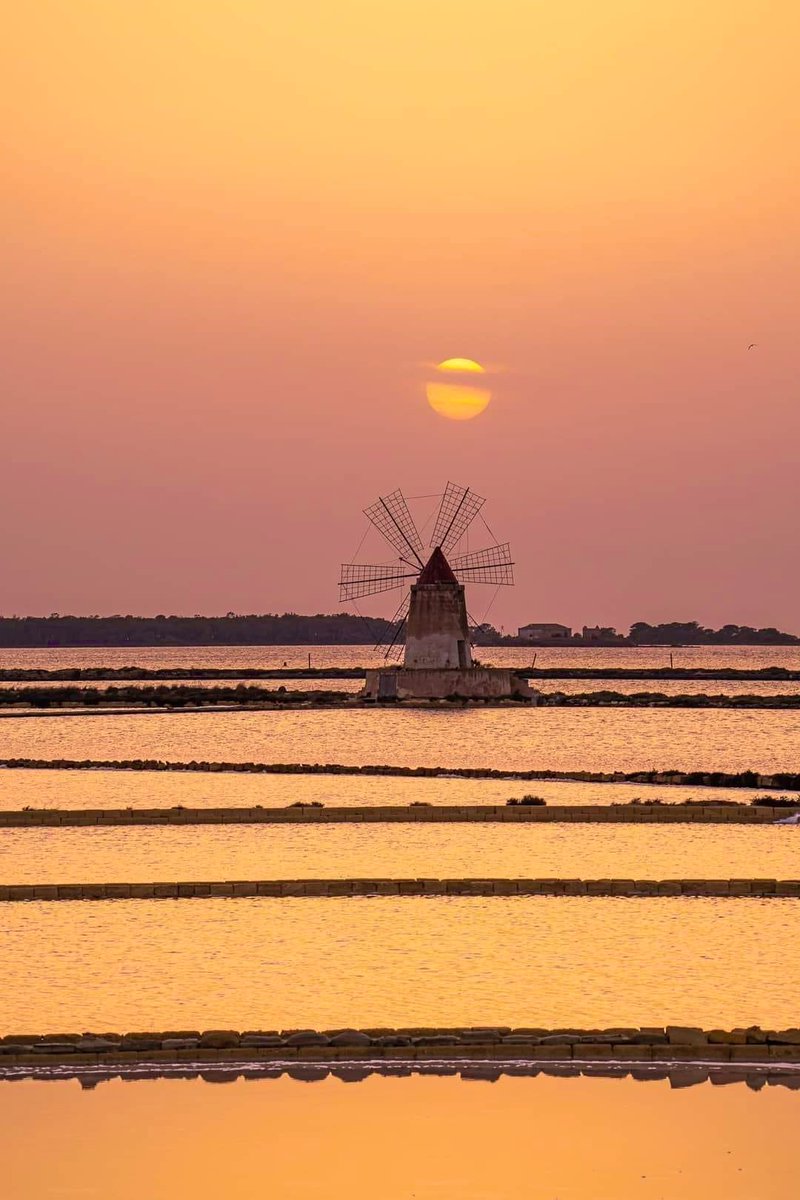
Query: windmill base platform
x=437, y=683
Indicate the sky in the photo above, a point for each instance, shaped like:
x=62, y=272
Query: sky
x=234, y=237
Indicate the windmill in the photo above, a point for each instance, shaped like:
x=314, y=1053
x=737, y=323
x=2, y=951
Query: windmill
x=433, y=610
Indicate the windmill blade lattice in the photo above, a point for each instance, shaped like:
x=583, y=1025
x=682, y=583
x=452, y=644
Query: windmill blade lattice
x=390, y=515
x=492, y=565
x=457, y=511
x=391, y=637
x=365, y=579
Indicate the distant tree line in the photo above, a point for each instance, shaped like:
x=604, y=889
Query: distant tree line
x=690, y=633
x=292, y=629
x=289, y=629
x=671, y=633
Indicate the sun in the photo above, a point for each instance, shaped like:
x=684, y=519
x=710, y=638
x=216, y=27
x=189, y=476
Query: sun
x=467, y=365
x=458, y=400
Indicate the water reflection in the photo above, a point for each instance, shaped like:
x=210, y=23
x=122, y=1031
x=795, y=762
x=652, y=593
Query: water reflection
x=423, y=1137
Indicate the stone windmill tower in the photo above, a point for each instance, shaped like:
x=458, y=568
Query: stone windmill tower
x=437, y=660
x=437, y=628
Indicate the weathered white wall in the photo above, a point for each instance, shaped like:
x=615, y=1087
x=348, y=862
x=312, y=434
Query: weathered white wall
x=475, y=683
x=437, y=622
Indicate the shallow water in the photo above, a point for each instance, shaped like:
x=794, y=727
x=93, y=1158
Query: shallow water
x=230, y=657
x=669, y=687
x=504, y=738
x=386, y=961
x=20, y=788
x=424, y=1137
x=147, y=854
x=325, y=963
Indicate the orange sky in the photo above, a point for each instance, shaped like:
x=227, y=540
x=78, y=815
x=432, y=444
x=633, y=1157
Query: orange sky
x=235, y=232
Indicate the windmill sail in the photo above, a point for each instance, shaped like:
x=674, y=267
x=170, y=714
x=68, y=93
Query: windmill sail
x=390, y=515
x=364, y=579
x=492, y=565
x=391, y=638
x=457, y=511
x=431, y=631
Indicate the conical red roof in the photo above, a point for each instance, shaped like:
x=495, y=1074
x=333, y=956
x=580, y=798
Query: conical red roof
x=437, y=569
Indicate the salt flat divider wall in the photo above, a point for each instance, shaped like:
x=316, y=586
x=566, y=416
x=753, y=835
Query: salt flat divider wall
x=376, y=886
x=94, y=703
x=517, y=814
x=671, y=1044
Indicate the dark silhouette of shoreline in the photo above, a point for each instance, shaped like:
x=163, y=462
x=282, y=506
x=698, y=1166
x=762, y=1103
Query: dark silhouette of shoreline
x=293, y=629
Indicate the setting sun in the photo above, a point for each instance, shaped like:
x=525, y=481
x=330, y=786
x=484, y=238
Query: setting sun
x=453, y=826
x=458, y=401
x=467, y=365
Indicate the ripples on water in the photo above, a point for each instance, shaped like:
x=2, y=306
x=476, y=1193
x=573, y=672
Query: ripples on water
x=241, y=657
x=273, y=963
x=670, y=687
x=144, y=854
x=564, y=739
x=154, y=789
x=324, y=963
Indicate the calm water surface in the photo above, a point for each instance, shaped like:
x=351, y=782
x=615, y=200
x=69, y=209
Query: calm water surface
x=240, y=657
x=341, y=851
x=564, y=739
x=668, y=687
x=21, y=788
x=423, y=1137
x=388, y=961
x=278, y=963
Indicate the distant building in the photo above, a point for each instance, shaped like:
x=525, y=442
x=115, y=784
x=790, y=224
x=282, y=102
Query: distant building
x=600, y=633
x=545, y=633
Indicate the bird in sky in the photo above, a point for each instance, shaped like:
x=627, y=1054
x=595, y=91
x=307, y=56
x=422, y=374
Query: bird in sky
x=752, y=345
